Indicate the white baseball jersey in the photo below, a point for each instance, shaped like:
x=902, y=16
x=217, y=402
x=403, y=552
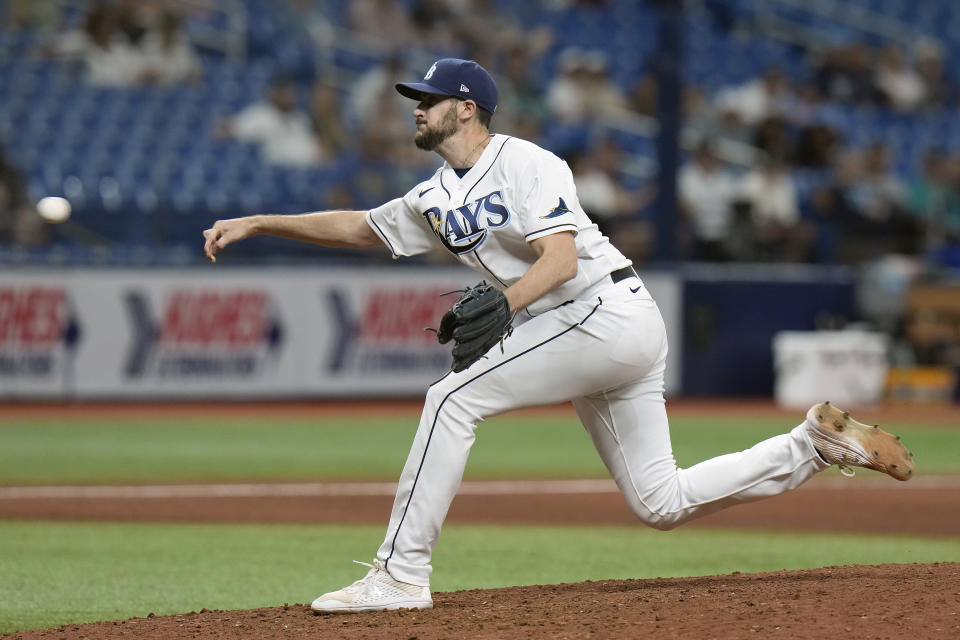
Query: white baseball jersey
x=605, y=352
x=515, y=193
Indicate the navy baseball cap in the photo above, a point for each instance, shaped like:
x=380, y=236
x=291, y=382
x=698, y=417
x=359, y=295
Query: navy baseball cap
x=455, y=78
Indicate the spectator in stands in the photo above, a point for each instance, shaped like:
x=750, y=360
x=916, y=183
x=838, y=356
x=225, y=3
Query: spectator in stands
x=43, y=15
x=706, y=190
x=845, y=74
x=434, y=23
x=724, y=124
x=774, y=137
x=879, y=195
x=483, y=24
x=340, y=197
x=134, y=19
x=599, y=193
x=828, y=212
x=598, y=185
x=900, y=87
x=858, y=232
x=816, y=146
x=566, y=98
x=940, y=90
x=521, y=98
x=757, y=100
x=644, y=95
x=614, y=208
x=374, y=99
x=312, y=19
x=696, y=107
x=843, y=233
x=381, y=23
x=607, y=101
x=705, y=120
x=934, y=200
x=168, y=55
x=373, y=175
x=281, y=130
x=698, y=114
x=817, y=126
x=736, y=111
x=109, y=58
x=327, y=119
x=804, y=105
x=583, y=90
x=373, y=96
x=12, y=199
x=19, y=224
x=771, y=196
x=873, y=197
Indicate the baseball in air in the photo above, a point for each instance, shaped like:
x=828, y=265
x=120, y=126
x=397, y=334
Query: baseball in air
x=54, y=209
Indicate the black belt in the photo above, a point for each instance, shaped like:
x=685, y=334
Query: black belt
x=623, y=274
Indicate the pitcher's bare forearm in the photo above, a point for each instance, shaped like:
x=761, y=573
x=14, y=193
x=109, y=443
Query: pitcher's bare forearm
x=328, y=228
x=557, y=264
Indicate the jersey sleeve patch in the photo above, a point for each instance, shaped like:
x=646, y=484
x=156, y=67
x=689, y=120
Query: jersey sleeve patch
x=560, y=218
x=557, y=211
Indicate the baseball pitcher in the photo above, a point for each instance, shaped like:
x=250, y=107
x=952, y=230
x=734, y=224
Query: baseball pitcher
x=561, y=316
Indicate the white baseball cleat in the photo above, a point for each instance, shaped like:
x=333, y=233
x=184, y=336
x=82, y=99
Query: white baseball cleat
x=843, y=441
x=376, y=591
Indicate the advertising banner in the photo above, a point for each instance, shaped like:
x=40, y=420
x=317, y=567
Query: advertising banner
x=39, y=335
x=233, y=333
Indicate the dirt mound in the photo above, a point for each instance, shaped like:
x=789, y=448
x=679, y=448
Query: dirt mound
x=887, y=601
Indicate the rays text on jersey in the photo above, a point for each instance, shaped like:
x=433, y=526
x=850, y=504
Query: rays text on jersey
x=464, y=228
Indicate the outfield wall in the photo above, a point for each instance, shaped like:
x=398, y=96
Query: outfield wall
x=237, y=333
x=733, y=313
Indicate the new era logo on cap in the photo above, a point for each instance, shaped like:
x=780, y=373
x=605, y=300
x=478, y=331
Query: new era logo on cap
x=457, y=78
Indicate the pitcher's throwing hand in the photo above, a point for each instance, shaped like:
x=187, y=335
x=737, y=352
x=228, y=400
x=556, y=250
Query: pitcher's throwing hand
x=224, y=232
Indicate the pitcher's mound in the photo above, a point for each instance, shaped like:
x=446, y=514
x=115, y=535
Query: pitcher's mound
x=887, y=601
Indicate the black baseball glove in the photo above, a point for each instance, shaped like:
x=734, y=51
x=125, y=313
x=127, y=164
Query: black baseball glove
x=478, y=320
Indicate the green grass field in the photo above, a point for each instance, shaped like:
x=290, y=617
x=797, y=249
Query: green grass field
x=56, y=573
x=144, y=450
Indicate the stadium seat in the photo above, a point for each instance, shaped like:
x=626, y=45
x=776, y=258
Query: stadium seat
x=151, y=147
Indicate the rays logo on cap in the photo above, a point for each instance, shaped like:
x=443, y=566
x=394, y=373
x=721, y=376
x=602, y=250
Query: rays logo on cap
x=455, y=78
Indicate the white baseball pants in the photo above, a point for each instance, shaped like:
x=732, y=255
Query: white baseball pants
x=607, y=354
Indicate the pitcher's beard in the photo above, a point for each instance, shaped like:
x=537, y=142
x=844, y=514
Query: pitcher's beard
x=431, y=138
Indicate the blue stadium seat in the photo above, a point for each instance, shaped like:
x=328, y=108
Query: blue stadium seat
x=156, y=142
